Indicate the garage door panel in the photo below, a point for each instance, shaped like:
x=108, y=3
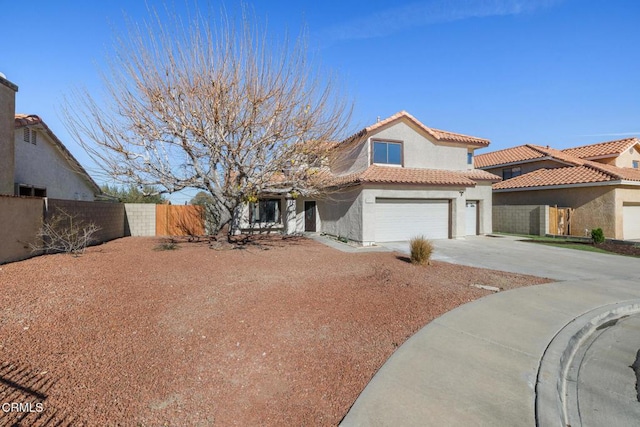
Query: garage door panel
x=631, y=222
x=402, y=219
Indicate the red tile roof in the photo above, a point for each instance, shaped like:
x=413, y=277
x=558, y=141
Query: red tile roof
x=438, y=135
x=396, y=175
x=557, y=176
x=522, y=153
x=22, y=120
x=602, y=149
x=508, y=155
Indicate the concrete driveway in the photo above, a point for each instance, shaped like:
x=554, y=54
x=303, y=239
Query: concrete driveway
x=508, y=253
x=508, y=358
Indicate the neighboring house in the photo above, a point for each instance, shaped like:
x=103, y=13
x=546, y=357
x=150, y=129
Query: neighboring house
x=33, y=161
x=395, y=180
x=43, y=165
x=601, y=182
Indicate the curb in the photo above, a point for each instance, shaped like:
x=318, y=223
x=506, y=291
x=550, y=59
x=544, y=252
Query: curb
x=556, y=402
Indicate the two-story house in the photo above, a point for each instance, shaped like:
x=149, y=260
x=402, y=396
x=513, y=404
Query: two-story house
x=33, y=161
x=599, y=182
x=394, y=180
x=44, y=167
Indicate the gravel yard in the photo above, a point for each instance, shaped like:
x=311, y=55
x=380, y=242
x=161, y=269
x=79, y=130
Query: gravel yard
x=282, y=332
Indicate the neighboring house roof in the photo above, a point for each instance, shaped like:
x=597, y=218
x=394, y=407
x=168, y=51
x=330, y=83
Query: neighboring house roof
x=521, y=154
x=438, y=135
x=392, y=175
x=586, y=173
x=602, y=149
x=22, y=120
x=579, y=170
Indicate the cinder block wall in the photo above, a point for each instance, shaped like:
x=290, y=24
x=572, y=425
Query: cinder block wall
x=521, y=219
x=140, y=219
x=108, y=216
x=20, y=220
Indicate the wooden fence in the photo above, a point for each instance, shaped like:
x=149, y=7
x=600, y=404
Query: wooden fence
x=179, y=220
x=560, y=220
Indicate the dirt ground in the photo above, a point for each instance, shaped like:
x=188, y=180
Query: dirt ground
x=282, y=332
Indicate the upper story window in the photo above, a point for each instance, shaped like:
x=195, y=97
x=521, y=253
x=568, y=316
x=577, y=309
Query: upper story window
x=29, y=135
x=636, y=164
x=511, y=172
x=470, y=158
x=388, y=153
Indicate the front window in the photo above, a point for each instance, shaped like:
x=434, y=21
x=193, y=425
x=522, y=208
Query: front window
x=636, y=164
x=265, y=211
x=511, y=173
x=470, y=158
x=388, y=153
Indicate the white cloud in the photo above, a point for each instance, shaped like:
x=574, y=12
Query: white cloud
x=386, y=22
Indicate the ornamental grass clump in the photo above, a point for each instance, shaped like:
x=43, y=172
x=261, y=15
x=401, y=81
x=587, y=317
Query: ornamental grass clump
x=421, y=249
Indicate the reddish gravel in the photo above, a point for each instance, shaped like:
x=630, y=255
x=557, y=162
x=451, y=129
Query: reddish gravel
x=129, y=335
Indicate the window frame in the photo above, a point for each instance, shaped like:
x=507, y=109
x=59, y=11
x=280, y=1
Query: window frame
x=387, y=142
x=511, y=172
x=256, y=210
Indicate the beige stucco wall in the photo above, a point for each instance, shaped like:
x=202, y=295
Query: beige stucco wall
x=353, y=158
x=341, y=214
x=421, y=152
x=20, y=220
x=625, y=160
x=42, y=165
x=594, y=206
x=7, y=116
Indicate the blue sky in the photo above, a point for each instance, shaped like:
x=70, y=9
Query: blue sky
x=549, y=72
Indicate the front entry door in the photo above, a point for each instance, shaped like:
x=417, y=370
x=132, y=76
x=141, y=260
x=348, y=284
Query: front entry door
x=309, y=216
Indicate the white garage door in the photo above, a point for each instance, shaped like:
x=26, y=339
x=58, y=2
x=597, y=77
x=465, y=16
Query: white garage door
x=402, y=219
x=471, y=219
x=631, y=222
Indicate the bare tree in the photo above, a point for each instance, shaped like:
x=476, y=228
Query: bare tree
x=65, y=232
x=211, y=105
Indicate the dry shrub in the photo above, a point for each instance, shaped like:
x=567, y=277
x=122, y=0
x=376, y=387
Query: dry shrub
x=421, y=249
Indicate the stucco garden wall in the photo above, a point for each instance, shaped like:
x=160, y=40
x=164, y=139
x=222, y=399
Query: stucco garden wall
x=20, y=220
x=594, y=206
x=108, y=216
x=22, y=217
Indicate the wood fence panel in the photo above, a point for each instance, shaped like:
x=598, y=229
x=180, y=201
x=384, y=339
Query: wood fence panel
x=179, y=220
x=560, y=220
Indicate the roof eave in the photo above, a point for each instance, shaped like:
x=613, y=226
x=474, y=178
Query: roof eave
x=564, y=186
